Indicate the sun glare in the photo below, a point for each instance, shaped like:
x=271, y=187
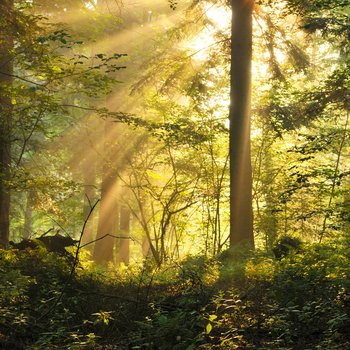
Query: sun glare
x=201, y=44
x=218, y=15
x=205, y=40
x=90, y=5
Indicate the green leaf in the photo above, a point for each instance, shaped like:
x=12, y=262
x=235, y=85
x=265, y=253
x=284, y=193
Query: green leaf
x=208, y=328
x=212, y=318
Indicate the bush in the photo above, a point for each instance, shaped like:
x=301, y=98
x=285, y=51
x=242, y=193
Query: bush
x=311, y=299
x=301, y=301
x=286, y=245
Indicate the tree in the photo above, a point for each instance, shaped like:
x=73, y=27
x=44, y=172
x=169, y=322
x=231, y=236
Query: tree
x=109, y=207
x=6, y=70
x=241, y=54
x=241, y=211
x=43, y=73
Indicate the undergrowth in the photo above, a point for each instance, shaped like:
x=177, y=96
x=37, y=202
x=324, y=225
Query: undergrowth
x=240, y=300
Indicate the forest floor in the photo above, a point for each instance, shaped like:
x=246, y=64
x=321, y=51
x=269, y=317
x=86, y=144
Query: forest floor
x=239, y=300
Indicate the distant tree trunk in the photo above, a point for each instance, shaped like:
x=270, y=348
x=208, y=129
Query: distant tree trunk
x=107, y=221
x=270, y=218
x=89, y=201
x=345, y=211
x=6, y=70
x=146, y=250
x=329, y=210
x=241, y=220
x=124, y=231
x=108, y=213
x=28, y=216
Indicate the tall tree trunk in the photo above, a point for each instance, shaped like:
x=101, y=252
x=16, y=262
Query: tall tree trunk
x=241, y=220
x=6, y=70
x=108, y=213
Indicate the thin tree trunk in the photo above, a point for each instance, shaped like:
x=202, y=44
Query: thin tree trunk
x=270, y=217
x=146, y=250
x=89, y=197
x=28, y=216
x=241, y=220
x=6, y=71
x=334, y=181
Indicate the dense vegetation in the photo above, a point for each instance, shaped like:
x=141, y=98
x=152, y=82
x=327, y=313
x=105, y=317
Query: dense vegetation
x=174, y=177
x=234, y=301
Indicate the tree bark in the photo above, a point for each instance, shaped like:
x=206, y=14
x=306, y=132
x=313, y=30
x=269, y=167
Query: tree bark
x=6, y=71
x=241, y=219
x=108, y=217
x=108, y=212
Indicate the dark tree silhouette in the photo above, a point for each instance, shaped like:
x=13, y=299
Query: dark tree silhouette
x=6, y=70
x=241, y=220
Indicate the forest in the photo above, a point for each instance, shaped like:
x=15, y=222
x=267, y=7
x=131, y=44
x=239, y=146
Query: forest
x=174, y=174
